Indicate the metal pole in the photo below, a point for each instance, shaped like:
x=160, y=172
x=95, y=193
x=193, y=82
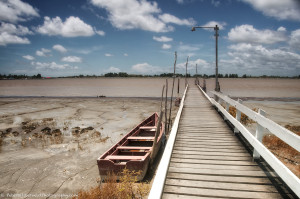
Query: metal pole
x=217, y=74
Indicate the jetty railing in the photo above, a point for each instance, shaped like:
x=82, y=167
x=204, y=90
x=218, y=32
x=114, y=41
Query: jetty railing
x=256, y=140
x=162, y=170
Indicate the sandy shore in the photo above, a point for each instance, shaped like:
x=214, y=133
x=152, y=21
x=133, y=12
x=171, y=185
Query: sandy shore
x=50, y=145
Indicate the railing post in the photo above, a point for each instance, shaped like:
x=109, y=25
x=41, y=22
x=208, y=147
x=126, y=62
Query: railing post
x=259, y=134
x=238, y=116
x=227, y=109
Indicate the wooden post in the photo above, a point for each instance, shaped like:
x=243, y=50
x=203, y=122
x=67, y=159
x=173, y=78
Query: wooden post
x=166, y=107
x=204, y=84
x=259, y=134
x=187, y=61
x=158, y=125
x=172, y=91
x=238, y=116
x=178, y=87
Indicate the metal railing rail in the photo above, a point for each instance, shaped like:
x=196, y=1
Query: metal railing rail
x=161, y=174
x=290, y=138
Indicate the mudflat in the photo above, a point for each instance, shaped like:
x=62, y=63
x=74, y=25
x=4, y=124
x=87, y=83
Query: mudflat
x=49, y=146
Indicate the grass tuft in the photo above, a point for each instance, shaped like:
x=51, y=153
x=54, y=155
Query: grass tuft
x=244, y=118
x=127, y=187
x=287, y=154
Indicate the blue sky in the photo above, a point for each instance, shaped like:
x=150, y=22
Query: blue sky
x=72, y=37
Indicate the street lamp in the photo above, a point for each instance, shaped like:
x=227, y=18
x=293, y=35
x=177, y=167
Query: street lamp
x=216, y=28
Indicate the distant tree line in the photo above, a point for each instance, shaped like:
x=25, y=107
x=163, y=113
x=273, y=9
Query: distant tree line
x=10, y=76
x=124, y=74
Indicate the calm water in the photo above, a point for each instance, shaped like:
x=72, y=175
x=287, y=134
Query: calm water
x=147, y=87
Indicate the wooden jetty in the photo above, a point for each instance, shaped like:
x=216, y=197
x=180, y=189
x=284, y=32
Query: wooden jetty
x=205, y=159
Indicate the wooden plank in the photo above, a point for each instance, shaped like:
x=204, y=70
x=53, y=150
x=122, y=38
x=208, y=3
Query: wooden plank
x=209, y=143
x=181, y=196
x=212, y=166
x=207, y=136
x=192, y=148
x=182, y=144
x=207, y=139
x=208, y=153
x=140, y=138
x=220, y=193
x=213, y=162
x=134, y=147
x=233, y=179
x=218, y=172
x=123, y=157
x=221, y=185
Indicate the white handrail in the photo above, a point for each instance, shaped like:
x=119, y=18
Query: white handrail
x=161, y=174
x=288, y=177
x=284, y=134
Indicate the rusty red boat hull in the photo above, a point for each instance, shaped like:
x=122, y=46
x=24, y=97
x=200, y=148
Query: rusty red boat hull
x=134, y=151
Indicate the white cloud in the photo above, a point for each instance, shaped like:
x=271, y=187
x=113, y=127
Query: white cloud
x=112, y=70
x=43, y=52
x=280, y=9
x=51, y=66
x=125, y=54
x=167, y=18
x=11, y=34
x=221, y=25
x=72, y=27
x=187, y=49
x=59, y=48
x=15, y=10
x=162, y=39
x=28, y=57
x=202, y=64
x=145, y=68
x=247, y=33
x=281, y=28
x=138, y=14
x=108, y=55
x=14, y=29
x=166, y=46
x=215, y=3
x=180, y=1
x=6, y=38
x=261, y=60
x=100, y=32
x=86, y=51
x=295, y=39
x=71, y=59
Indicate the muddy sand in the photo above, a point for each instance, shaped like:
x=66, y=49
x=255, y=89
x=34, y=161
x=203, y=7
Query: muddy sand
x=49, y=146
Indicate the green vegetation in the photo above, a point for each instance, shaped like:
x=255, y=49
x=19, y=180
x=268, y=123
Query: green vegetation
x=10, y=76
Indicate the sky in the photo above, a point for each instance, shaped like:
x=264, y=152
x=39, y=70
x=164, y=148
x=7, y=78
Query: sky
x=94, y=37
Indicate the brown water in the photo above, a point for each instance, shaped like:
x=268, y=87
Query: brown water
x=148, y=87
x=258, y=87
x=113, y=87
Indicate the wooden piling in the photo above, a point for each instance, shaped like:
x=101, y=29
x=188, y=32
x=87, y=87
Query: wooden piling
x=166, y=107
x=172, y=91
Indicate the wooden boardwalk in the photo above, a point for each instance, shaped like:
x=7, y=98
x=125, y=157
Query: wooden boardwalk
x=209, y=161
